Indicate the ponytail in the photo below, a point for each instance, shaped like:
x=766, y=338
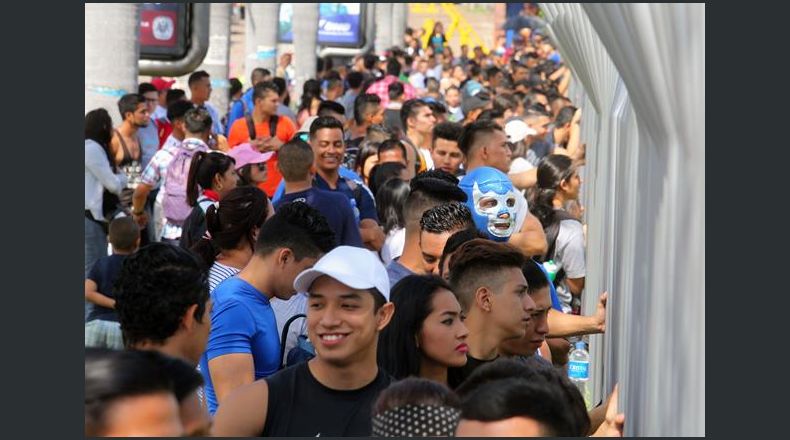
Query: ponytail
x=205, y=248
x=192, y=185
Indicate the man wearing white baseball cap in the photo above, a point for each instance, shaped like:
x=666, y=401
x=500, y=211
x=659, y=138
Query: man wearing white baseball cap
x=333, y=393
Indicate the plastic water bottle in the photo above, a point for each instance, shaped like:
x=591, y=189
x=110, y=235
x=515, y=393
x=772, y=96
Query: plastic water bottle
x=579, y=369
x=552, y=269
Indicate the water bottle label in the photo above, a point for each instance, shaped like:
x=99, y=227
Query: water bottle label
x=578, y=370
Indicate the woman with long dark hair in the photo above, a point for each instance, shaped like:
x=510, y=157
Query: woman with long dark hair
x=102, y=182
x=426, y=335
x=311, y=99
x=559, y=183
x=232, y=229
x=390, y=202
x=211, y=176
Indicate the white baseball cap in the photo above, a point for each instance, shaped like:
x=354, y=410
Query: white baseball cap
x=355, y=267
x=516, y=130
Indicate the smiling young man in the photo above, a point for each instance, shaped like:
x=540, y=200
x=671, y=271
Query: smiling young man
x=244, y=344
x=326, y=138
x=486, y=276
x=332, y=394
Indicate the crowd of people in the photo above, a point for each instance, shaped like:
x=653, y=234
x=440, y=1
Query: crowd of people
x=401, y=253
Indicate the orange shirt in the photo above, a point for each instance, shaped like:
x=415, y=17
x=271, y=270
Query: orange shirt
x=239, y=134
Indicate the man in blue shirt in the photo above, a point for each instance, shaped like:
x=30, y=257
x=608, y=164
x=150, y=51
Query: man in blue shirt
x=326, y=138
x=243, y=343
x=245, y=105
x=296, y=165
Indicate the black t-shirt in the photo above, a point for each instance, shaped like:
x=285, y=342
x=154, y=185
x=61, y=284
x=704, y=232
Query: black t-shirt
x=300, y=406
x=104, y=273
x=457, y=375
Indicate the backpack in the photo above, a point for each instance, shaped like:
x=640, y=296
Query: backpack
x=273, y=120
x=304, y=350
x=174, y=206
x=552, y=231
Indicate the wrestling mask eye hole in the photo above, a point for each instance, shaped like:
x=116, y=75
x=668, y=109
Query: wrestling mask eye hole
x=511, y=202
x=487, y=203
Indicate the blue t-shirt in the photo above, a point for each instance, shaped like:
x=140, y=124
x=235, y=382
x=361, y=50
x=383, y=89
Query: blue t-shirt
x=397, y=272
x=148, y=137
x=237, y=109
x=337, y=210
x=104, y=273
x=242, y=321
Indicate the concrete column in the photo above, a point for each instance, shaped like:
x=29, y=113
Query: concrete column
x=216, y=61
x=261, y=22
x=112, y=50
x=399, y=14
x=305, y=31
x=383, y=39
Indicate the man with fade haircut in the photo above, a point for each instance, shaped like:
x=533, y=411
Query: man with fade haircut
x=199, y=93
x=368, y=111
x=418, y=121
x=244, y=344
x=484, y=143
x=264, y=130
x=297, y=167
x=436, y=226
x=428, y=190
x=326, y=138
x=445, y=154
x=163, y=303
x=487, y=279
x=331, y=395
x=245, y=105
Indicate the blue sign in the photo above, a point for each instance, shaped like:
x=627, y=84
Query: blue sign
x=338, y=24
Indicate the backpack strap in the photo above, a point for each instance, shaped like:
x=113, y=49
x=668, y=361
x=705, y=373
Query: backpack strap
x=284, y=336
x=250, y=126
x=553, y=230
x=273, y=120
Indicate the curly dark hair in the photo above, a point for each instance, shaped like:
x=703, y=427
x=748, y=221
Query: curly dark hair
x=445, y=218
x=298, y=227
x=429, y=189
x=156, y=286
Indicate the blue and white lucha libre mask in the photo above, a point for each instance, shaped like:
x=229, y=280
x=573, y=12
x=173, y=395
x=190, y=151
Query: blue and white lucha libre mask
x=492, y=200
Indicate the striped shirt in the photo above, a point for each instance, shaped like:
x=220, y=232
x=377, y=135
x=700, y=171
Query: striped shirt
x=219, y=273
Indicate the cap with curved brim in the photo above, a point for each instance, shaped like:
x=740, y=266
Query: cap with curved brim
x=355, y=267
